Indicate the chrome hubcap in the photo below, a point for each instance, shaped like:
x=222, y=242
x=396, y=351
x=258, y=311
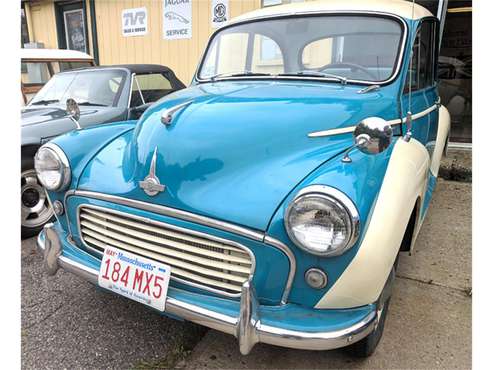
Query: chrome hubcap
x=35, y=209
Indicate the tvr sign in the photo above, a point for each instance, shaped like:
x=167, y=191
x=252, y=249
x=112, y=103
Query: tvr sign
x=134, y=22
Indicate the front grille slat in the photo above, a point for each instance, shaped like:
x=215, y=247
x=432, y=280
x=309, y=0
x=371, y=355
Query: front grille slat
x=168, y=251
x=195, y=258
x=170, y=243
x=185, y=238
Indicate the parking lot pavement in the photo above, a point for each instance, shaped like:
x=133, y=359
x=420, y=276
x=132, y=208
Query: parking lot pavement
x=429, y=322
x=68, y=323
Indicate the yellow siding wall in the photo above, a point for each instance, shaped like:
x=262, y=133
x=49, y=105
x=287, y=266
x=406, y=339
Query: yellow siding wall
x=180, y=55
x=43, y=23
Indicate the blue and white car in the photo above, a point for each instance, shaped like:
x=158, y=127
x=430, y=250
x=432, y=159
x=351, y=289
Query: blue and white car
x=271, y=198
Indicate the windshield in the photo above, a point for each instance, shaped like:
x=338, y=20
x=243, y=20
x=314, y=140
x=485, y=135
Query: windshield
x=341, y=48
x=99, y=88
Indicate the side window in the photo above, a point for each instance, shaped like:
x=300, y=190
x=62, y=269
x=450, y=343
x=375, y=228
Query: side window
x=318, y=53
x=422, y=72
x=35, y=72
x=266, y=56
x=153, y=86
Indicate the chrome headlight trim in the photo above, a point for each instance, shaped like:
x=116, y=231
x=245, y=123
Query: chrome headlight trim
x=66, y=173
x=341, y=200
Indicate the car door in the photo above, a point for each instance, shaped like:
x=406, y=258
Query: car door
x=420, y=94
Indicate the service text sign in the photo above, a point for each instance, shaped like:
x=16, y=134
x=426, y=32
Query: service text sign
x=219, y=12
x=177, y=19
x=134, y=22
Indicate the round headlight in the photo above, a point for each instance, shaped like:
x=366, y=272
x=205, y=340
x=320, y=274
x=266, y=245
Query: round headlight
x=322, y=221
x=52, y=167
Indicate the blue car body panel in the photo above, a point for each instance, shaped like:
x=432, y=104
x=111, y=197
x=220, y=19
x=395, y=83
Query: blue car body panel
x=240, y=143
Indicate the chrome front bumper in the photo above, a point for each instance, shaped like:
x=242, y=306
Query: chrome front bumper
x=247, y=327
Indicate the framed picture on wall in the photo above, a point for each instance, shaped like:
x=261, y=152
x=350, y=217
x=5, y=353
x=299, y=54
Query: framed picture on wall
x=75, y=30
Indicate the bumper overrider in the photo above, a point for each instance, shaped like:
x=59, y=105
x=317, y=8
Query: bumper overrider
x=249, y=322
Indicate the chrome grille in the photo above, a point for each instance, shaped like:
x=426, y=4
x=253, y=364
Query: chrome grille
x=195, y=258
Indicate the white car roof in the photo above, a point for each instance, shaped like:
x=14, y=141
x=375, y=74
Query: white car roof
x=51, y=54
x=400, y=8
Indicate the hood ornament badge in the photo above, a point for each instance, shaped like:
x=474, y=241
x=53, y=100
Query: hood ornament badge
x=151, y=184
x=167, y=115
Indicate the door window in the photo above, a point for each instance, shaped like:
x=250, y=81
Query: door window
x=422, y=71
x=35, y=72
x=152, y=86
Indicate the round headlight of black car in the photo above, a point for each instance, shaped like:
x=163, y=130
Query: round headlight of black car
x=52, y=167
x=322, y=221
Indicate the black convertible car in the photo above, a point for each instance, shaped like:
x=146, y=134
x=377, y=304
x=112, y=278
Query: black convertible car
x=103, y=95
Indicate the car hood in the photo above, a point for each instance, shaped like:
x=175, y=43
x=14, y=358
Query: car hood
x=32, y=116
x=237, y=150
x=44, y=122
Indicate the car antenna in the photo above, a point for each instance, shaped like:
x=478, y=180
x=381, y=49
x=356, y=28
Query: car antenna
x=409, y=116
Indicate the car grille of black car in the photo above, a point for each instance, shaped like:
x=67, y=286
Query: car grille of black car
x=196, y=259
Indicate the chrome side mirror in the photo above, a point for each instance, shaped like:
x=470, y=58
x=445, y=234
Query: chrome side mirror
x=373, y=135
x=73, y=111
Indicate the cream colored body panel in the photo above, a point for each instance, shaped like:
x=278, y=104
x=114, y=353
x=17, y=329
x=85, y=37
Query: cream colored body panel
x=405, y=181
x=398, y=7
x=441, y=140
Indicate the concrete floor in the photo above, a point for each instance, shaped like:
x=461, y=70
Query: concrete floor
x=429, y=322
x=68, y=323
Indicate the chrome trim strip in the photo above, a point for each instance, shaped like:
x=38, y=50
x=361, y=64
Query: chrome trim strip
x=292, y=265
x=335, y=195
x=167, y=211
x=168, y=114
x=140, y=91
x=393, y=122
x=460, y=146
x=130, y=91
x=318, y=13
x=332, y=132
x=178, y=229
x=424, y=113
x=249, y=319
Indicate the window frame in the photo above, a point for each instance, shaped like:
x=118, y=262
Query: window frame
x=395, y=73
x=434, y=57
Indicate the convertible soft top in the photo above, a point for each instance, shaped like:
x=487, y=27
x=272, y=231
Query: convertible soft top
x=133, y=68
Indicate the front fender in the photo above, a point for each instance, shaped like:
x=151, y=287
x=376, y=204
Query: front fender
x=359, y=180
x=404, y=183
x=80, y=146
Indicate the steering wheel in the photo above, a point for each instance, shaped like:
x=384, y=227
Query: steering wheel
x=352, y=66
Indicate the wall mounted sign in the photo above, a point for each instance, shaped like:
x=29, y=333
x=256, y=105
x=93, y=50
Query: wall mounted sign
x=75, y=34
x=219, y=12
x=177, y=19
x=134, y=22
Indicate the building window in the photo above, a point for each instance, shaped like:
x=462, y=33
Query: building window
x=72, y=25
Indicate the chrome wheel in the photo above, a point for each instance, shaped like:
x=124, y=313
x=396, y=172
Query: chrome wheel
x=35, y=208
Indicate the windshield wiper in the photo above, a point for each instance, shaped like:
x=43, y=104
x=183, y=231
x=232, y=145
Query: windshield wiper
x=343, y=80
x=91, y=103
x=45, y=102
x=244, y=73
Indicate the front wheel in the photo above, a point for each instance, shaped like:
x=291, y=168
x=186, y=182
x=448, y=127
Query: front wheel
x=35, y=208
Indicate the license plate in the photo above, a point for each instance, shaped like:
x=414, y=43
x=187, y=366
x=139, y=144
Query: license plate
x=135, y=277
